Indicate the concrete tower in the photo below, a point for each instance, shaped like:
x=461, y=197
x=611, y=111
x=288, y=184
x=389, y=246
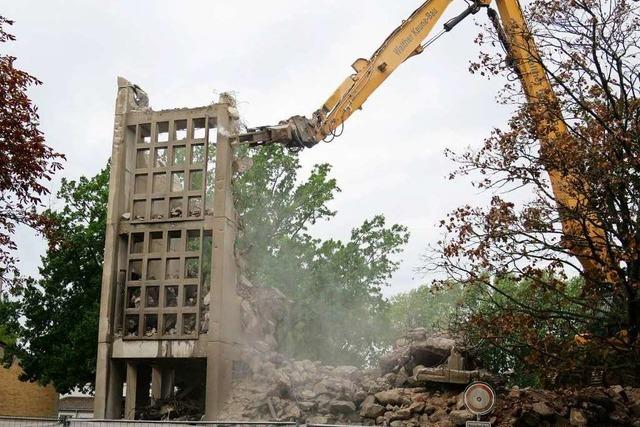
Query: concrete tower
x=169, y=312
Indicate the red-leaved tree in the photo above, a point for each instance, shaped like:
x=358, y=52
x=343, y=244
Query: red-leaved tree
x=535, y=304
x=26, y=162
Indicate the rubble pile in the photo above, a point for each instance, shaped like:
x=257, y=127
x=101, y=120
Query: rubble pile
x=419, y=383
x=278, y=388
x=401, y=392
x=589, y=406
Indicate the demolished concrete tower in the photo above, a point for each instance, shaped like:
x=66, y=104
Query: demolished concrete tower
x=169, y=313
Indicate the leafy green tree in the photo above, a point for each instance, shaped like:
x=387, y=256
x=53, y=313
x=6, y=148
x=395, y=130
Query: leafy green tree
x=426, y=307
x=57, y=341
x=8, y=322
x=338, y=308
x=504, y=320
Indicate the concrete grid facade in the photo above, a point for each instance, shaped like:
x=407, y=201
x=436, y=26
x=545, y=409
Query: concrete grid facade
x=169, y=314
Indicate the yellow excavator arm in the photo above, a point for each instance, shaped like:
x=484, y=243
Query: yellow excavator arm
x=300, y=132
x=408, y=40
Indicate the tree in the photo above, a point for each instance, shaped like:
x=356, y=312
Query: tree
x=57, y=339
x=425, y=307
x=25, y=161
x=590, y=51
x=338, y=308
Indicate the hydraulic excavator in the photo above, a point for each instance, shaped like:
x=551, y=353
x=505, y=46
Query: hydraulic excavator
x=407, y=41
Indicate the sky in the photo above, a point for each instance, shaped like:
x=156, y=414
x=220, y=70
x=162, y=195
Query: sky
x=280, y=58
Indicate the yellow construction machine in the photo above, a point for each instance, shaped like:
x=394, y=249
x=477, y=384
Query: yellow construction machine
x=407, y=41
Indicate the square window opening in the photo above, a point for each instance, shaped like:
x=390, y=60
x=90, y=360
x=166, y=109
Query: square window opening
x=133, y=297
x=163, y=131
x=150, y=325
x=132, y=325
x=137, y=243
x=195, y=206
x=199, y=128
x=160, y=160
x=175, y=207
x=181, y=130
x=156, y=244
x=197, y=154
x=154, y=269
x=158, y=208
x=171, y=296
x=135, y=270
x=177, y=181
x=213, y=133
x=189, y=324
x=152, y=297
x=190, y=296
x=173, y=244
x=193, y=240
x=170, y=322
x=173, y=269
x=144, y=133
x=192, y=268
x=179, y=155
x=196, y=178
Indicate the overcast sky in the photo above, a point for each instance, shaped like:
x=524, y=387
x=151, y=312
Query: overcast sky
x=281, y=57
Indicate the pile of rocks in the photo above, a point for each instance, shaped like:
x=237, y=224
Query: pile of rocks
x=590, y=406
x=278, y=388
x=399, y=394
x=418, y=383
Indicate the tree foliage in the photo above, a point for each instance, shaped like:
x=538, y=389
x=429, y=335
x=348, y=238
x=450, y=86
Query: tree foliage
x=25, y=160
x=590, y=51
x=58, y=336
x=424, y=307
x=338, y=308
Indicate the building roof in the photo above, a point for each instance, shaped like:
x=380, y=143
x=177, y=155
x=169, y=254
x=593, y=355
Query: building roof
x=76, y=403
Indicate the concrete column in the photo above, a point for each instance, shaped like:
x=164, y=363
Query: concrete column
x=132, y=391
x=117, y=372
x=163, y=379
x=143, y=399
x=224, y=326
x=168, y=382
x=105, y=405
x=156, y=382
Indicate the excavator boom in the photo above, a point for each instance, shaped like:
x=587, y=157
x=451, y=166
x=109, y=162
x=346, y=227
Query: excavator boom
x=406, y=41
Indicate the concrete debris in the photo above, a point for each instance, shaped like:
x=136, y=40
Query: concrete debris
x=172, y=409
x=242, y=164
x=234, y=114
x=225, y=132
x=280, y=389
x=419, y=383
x=262, y=310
